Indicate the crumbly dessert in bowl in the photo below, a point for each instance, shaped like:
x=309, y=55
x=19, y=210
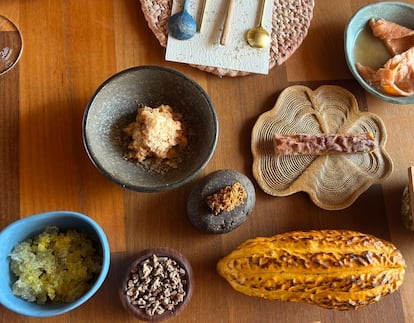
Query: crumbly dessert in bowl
x=65, y=255
x=221, y=201
x=157, y=139
x=158, y=285
x=128, y=117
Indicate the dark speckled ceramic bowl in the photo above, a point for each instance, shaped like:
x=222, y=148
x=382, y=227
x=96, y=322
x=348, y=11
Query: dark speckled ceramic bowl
x=114, y=105
x=398, y=12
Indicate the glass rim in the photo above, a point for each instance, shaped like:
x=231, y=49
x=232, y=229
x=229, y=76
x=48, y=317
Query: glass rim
x=15, y=28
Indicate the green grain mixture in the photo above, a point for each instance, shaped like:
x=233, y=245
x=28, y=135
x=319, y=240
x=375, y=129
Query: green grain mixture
x=54, y=266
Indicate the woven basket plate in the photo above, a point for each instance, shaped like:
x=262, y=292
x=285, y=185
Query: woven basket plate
x=332, y=181
x=290, y=24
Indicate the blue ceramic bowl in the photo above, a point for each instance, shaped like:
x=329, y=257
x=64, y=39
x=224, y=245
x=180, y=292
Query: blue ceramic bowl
x=31, y=226
x=114, y=105
x=398, y=12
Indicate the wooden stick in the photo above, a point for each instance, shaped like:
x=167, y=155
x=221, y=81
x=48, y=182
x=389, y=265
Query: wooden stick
x=227, y=23
x=203, y=10
x=411, y=187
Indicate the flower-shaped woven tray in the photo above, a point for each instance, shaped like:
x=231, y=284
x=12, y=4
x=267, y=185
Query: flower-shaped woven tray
x=333, y=181
x=290, y=24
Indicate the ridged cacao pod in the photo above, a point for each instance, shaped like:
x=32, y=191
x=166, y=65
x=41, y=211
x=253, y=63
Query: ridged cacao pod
x=334, y=269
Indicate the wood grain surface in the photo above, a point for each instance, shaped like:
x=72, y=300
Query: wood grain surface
x=70, y=48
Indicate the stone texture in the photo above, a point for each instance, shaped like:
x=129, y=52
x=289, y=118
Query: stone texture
x=200, y=215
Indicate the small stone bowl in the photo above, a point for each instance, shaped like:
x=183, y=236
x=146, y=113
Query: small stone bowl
x=138, y=269
x=398, y=12
x=114, y=105
x=202, y=218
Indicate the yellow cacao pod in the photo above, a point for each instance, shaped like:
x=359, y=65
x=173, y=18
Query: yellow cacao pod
x=335, y=269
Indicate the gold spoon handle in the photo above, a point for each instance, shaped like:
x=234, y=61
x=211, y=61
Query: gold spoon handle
x=262, y=13
x=227, y=23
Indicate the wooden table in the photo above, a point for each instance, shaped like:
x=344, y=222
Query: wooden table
x=70, y=48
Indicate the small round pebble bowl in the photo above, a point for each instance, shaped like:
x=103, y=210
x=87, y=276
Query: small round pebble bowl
x=232, y=216
x=30, y=227
x=372, y=47
x=114, y=106
x=158, y=285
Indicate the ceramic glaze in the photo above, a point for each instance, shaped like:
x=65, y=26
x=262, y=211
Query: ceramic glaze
x=182, y=25
x=31, y=226
x=114, y=105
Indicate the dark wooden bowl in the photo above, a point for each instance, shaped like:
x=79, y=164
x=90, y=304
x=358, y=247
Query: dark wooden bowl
x=159, y=252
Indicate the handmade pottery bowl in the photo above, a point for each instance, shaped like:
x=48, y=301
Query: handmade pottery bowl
x=30, y=227
x=172, y=292
x=229, y=219
x=398, y=12
x=114, y=105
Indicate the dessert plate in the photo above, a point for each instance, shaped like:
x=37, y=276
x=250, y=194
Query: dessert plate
x=332, y=181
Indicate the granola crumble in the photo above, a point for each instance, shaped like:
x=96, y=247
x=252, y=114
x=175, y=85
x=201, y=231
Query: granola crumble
x=227, y=198
x=157, y=136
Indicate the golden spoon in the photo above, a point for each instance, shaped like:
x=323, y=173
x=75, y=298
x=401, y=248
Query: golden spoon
x=258, y=37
